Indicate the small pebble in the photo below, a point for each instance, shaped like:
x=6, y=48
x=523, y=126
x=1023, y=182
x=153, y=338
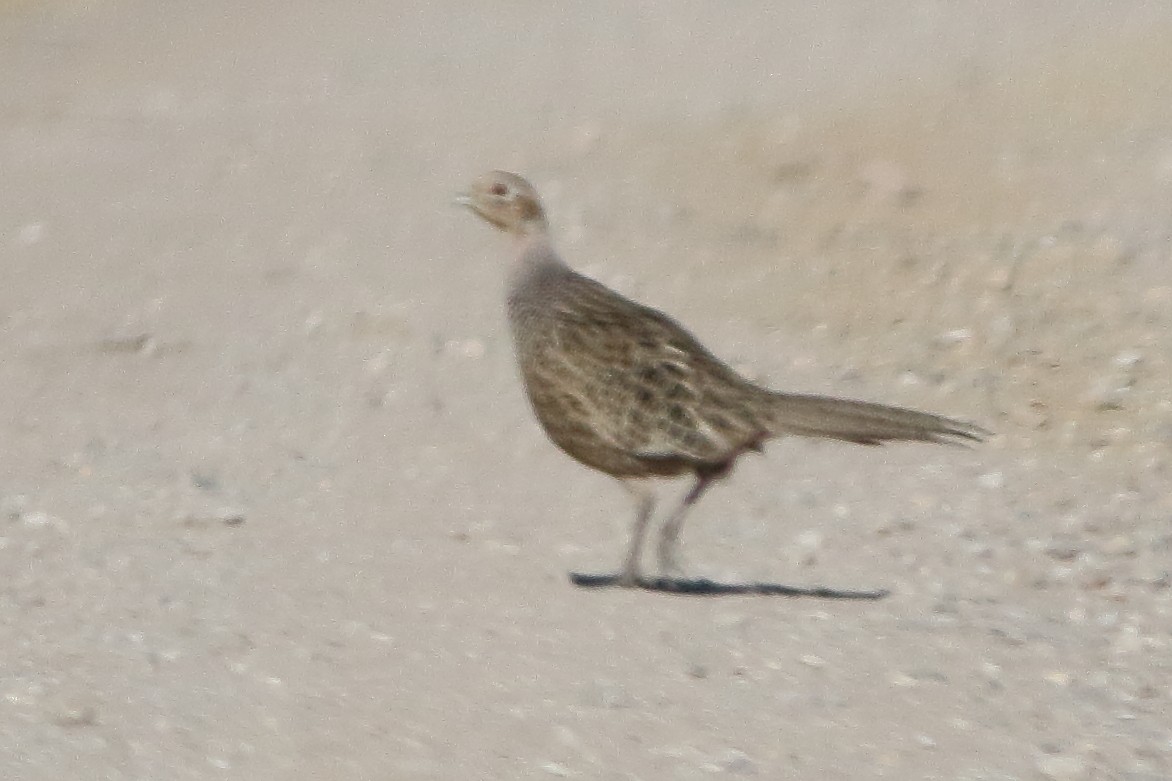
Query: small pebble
x=37, y=519
x=313, y=322
x=31, y=234
x=735, y=762
x=1119, y=545
x=1128, y=359
x=75, y=715
x=1060, y=767
x=472, y=349
x=1062, y=550
x=605, y=694
x=230, y=516
x=992, y=480
x=556, y=769
x=954, y=337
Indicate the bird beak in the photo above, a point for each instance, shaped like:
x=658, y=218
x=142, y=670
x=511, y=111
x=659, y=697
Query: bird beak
x=463, y=199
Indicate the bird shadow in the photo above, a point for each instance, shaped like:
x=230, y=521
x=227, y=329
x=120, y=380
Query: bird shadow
x=703, y=587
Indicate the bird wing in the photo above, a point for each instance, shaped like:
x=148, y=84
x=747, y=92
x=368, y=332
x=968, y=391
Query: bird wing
x=647, y=386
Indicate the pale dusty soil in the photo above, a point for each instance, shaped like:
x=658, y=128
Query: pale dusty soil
x=272, y=505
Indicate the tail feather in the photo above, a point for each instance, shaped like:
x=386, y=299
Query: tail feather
x=865, y=423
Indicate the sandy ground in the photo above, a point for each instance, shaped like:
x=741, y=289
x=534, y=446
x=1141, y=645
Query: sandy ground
x=272, y=505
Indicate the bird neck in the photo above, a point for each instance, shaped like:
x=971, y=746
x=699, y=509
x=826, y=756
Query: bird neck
x=535, y=258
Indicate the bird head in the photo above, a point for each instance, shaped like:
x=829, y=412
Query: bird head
x=506, y=201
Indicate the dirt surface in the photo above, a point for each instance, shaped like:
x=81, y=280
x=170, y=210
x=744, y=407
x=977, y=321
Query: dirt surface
x=272, y=505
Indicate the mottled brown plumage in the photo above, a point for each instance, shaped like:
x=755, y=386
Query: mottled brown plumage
x=626, y=390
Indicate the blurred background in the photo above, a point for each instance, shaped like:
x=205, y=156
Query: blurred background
x=271, y=501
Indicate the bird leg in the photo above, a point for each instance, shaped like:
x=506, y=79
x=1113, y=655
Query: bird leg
x=644, y=504
x=670, y=533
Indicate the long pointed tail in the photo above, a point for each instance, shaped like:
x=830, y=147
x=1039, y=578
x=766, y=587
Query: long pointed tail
x=865, y=423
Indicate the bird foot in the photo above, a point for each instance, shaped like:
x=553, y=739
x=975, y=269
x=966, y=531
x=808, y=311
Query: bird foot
x=669, y=564
x=628, y=578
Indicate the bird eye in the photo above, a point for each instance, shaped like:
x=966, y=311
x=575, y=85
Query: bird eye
x=498, y=189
